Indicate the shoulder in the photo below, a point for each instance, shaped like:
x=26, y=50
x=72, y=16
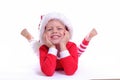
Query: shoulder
x=70, y=44
x=43, y=47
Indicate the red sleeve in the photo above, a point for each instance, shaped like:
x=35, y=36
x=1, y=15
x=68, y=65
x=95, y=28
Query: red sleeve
x=82, y=47
x=70, y=63
x=47, y=61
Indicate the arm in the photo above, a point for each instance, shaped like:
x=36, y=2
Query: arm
x=68, y=55
x=48, y=60
x=70, y=62
x=82, y=47
x=48, y=54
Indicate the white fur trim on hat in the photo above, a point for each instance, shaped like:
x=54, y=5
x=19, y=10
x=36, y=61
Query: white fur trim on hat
x=54, y=15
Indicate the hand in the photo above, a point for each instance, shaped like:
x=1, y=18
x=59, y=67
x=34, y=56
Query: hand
x=92, y=33
x=46, y=41
x=64, y=40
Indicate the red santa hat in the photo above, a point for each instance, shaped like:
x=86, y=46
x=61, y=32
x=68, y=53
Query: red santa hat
x=54, y=15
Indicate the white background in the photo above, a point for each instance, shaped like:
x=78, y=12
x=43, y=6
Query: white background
x=102, y=57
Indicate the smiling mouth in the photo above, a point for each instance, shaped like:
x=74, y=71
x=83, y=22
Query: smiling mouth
x=55, y=36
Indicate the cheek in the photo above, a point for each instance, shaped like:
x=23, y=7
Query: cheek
x=63, y=33
x=47, y=34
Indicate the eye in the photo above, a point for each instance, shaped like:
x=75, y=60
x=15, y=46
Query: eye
x=49, y=29
x=59, y=28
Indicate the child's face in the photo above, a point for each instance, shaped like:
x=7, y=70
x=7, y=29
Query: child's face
x=55, y=31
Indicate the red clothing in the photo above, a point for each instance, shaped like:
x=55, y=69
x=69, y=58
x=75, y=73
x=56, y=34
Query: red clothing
x=82, y=47
x=49, y=62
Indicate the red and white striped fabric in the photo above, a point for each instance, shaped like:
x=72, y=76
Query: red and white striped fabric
x=82, y=47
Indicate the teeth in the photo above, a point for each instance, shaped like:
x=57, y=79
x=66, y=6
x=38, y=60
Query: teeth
x=55, y=36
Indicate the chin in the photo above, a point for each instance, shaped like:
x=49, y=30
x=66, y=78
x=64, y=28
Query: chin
x=55, y=42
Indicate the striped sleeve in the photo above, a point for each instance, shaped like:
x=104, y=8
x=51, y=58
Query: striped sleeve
x=82, y=47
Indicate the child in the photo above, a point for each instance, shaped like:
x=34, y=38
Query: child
x=56, y=51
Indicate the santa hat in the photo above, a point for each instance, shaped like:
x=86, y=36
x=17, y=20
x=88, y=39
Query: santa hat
x=54, y=15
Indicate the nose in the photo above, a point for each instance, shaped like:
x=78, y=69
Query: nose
x=55, y=30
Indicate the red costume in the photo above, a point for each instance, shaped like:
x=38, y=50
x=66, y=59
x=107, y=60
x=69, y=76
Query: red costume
x=68, y=61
